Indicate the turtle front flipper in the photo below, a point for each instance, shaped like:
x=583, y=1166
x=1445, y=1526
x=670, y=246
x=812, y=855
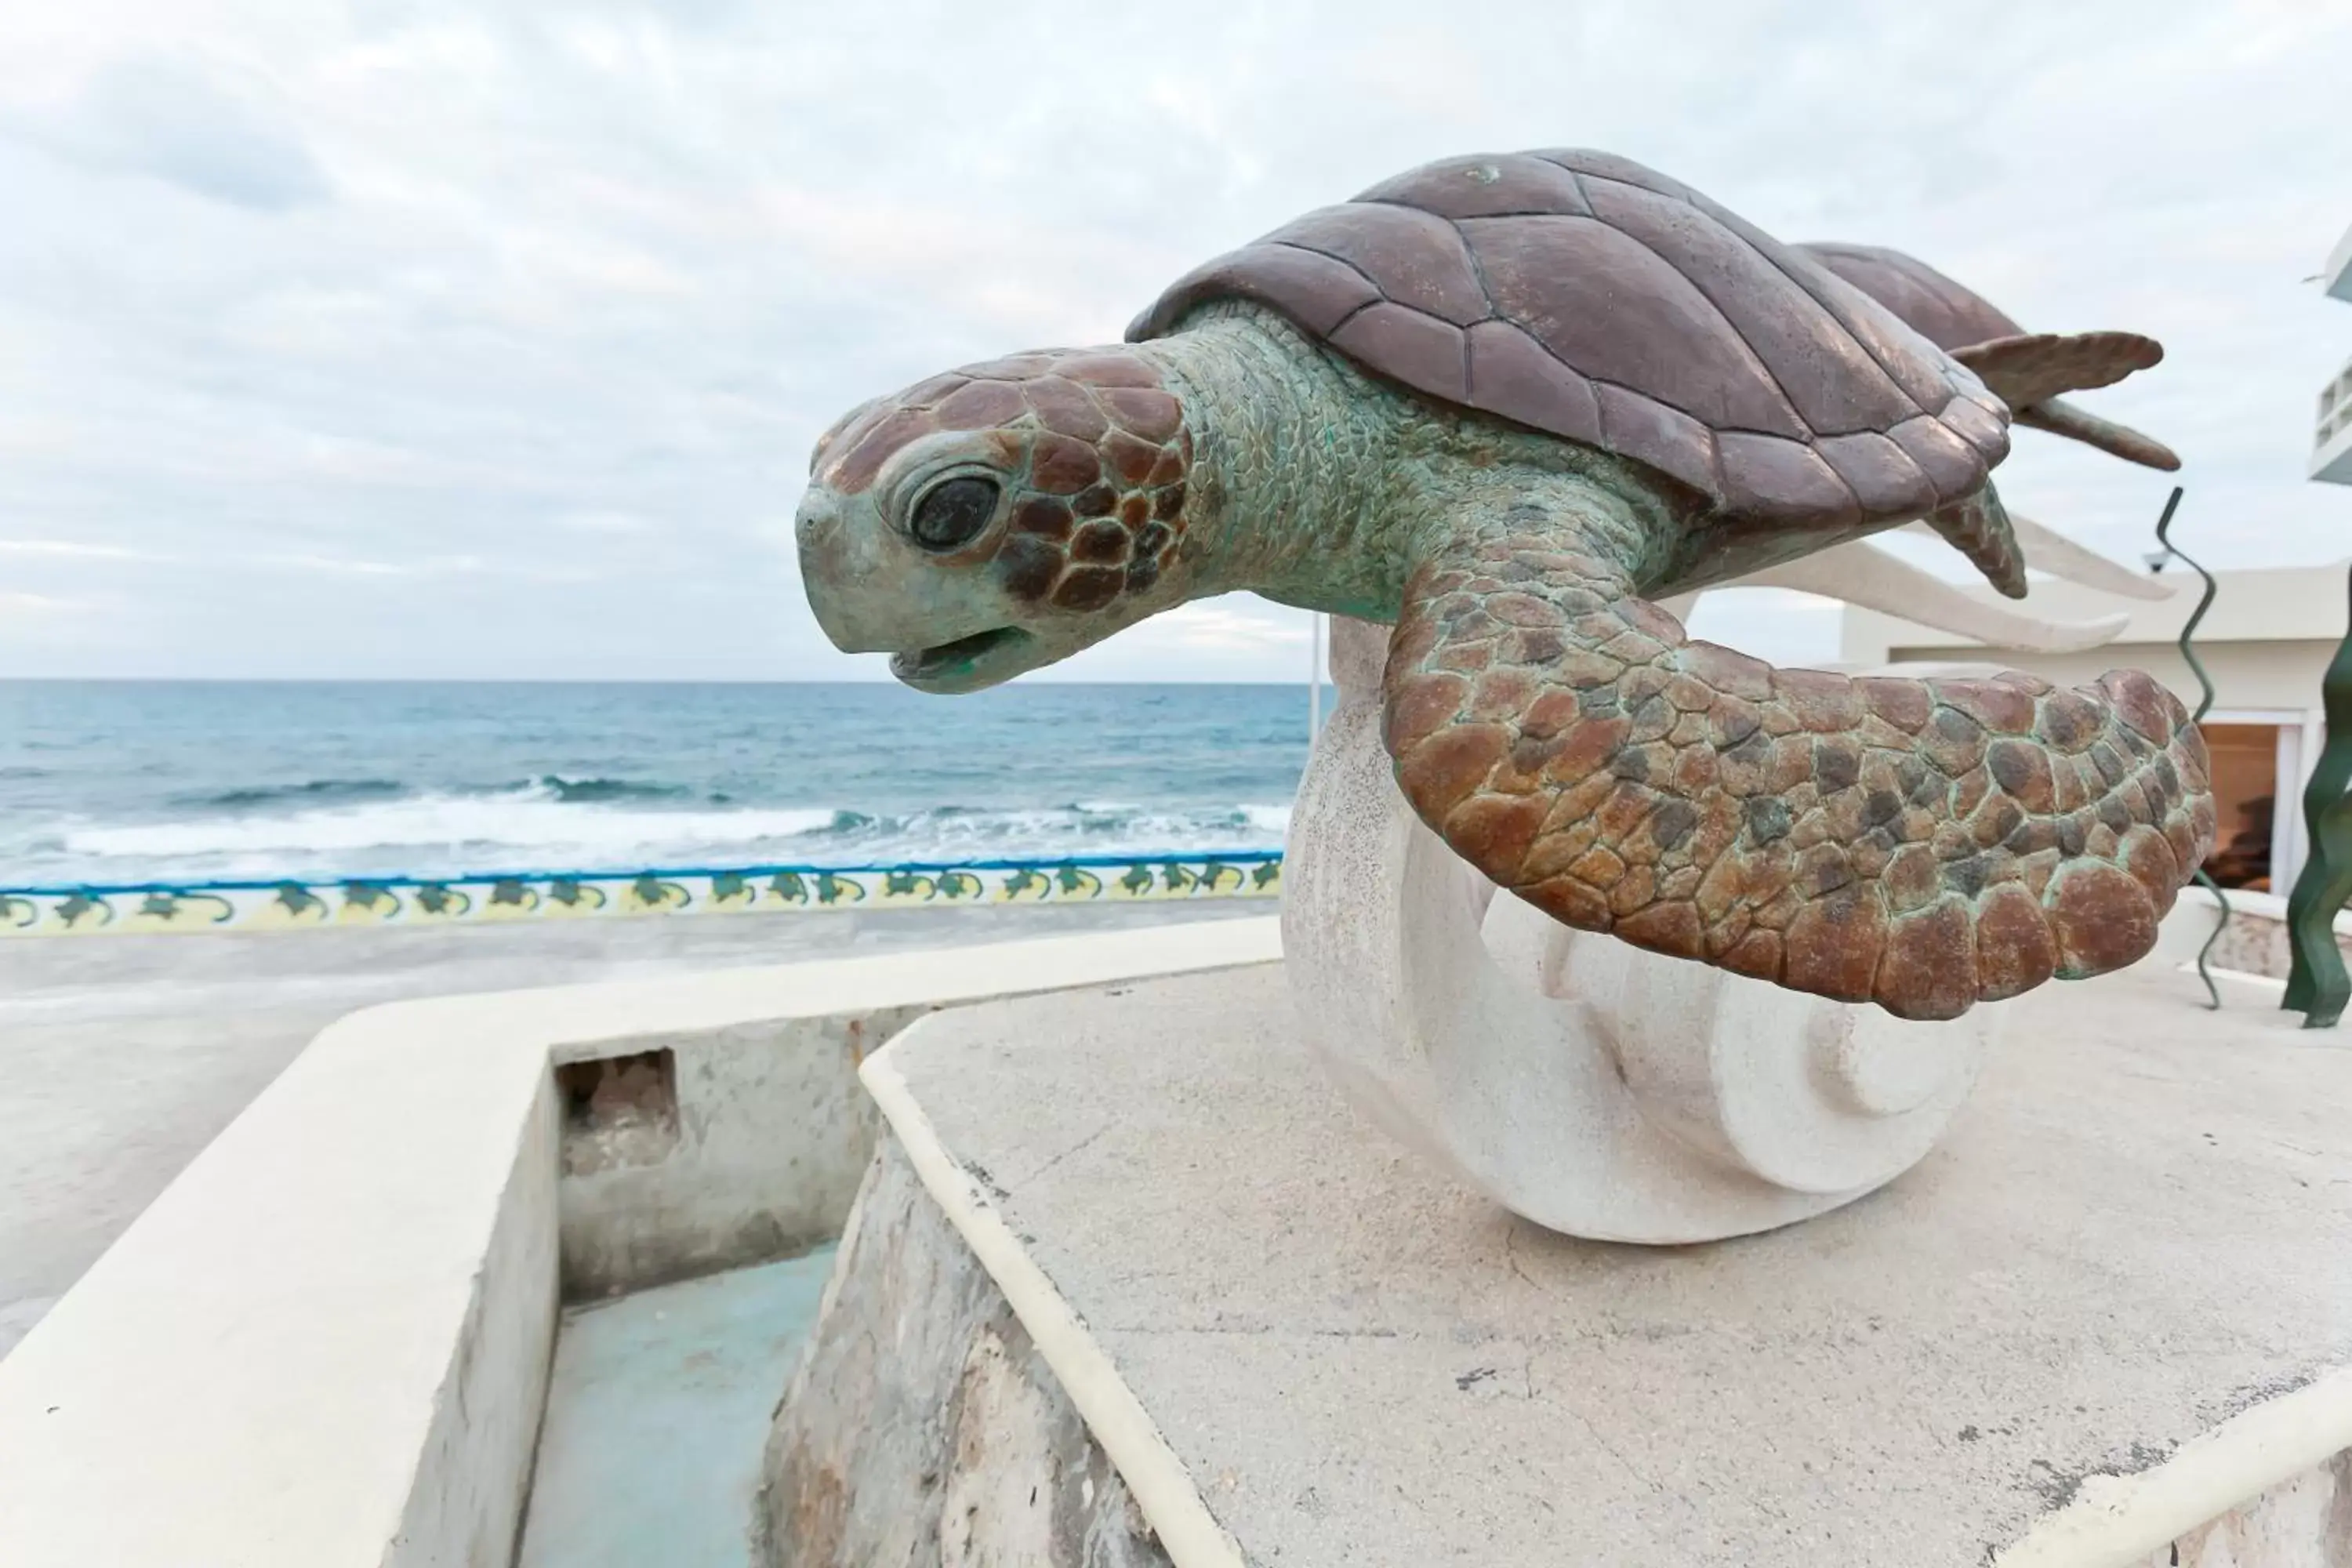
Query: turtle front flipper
x=1922, y=845
x=2034, y=367
x=1978, y=528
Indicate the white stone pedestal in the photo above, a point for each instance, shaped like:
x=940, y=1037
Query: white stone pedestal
x=1594, y=1087
x=1131, y=1284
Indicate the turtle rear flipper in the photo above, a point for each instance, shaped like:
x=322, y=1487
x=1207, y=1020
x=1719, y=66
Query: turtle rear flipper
x=2061, y=417
x=2037, y=366
x=1978, y=528
x=1953, y=318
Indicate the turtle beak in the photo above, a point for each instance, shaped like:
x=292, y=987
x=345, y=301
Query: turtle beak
x=831, y=559
x=969, y=664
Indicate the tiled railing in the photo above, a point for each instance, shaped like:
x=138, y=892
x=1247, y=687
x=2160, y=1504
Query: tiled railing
x=287, y=905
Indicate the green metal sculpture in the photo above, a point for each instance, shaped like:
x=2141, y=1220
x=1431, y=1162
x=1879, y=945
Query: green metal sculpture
x=2317, y=986
x=2204, y=706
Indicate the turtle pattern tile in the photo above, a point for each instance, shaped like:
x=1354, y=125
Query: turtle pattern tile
x=1096, y=451
x=1578, y=293
x=1925, y=845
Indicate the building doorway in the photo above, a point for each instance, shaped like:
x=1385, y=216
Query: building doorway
x=2245, y=803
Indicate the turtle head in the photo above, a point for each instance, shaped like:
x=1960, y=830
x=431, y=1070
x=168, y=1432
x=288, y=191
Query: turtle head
x=998, y=517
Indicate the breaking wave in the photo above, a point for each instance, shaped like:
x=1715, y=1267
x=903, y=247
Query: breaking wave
x=371, y=827
x=313, y=790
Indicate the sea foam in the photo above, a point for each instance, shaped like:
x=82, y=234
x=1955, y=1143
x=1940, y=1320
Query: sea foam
x=539, y=827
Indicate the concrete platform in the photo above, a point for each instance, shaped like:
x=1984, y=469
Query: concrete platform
x=2113, y=1306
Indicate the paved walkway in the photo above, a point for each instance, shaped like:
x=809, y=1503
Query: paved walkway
x=121, y=1056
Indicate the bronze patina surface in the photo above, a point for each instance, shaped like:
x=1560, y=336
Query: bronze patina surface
x=1503, y=402
x=1953, y=317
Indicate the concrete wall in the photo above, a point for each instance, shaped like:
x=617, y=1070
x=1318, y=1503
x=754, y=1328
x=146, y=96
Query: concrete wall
x=925, y=1427
x=473, y=1475
x=2276, y=677
x=727, y=1190
x=326, y=1345
x=2293, y=605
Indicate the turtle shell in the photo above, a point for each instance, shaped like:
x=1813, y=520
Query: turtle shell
x=1941, y=310
x=1578, y=293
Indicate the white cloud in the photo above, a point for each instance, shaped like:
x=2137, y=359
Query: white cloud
x=351, y=295
x=1230, y=626
x=620, y=522
x=15, y=603
x=171, y=119
x=351, y=566
x=336, y=567
x=1775, y=624
x=75, y=550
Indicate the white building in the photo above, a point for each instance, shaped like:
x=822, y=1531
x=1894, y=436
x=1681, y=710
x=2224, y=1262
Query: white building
x=2331, y=447
x=2264, y=643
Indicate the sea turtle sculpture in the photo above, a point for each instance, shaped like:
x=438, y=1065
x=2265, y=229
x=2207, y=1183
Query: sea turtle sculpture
x=1504, y=403
x=1954, y=318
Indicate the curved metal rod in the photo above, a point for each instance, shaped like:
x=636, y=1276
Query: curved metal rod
x=2204, y=706
x=2316, y=984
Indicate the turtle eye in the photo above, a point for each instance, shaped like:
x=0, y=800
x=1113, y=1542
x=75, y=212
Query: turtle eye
x=953, y=512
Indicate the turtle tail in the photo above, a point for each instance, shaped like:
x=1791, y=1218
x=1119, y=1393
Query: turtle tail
x=1925, y=845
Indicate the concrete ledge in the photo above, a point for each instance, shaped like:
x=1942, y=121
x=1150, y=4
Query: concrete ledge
x=326, y=1344
x=2107, y=1325
x=925, y=1426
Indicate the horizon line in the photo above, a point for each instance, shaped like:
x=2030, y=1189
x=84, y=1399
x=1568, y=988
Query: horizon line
x=577, y=680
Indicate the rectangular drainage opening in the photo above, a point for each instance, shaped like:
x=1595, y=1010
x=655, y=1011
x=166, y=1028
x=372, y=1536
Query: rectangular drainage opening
x=618, y=1110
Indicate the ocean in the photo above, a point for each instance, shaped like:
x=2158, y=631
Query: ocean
x=121, y=783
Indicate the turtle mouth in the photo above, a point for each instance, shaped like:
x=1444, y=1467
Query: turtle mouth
x=966, y=664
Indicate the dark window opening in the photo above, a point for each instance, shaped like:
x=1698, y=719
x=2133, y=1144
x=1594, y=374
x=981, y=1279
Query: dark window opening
x=618, y=1110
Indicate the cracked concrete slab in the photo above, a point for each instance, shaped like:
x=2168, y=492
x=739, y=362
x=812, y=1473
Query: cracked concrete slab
x=2140, y=1228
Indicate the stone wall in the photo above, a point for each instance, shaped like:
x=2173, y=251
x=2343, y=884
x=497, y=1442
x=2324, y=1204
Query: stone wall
x=711, y=1179
x=923, y=1427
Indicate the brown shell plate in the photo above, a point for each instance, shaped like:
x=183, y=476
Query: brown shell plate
x=1942, y=311
x=1578, y=293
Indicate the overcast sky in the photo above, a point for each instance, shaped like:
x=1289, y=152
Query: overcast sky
x=437, y=338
